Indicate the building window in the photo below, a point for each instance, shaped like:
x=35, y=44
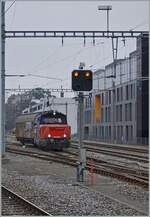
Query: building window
x=106, y=114
x=87, y=117
x=86, y=132
x=109, y=114
x=109, y=96
x=122, y=133
x=116, y=113
x=94, y=131
x=102, y=132
x=85, y=102
x=126, y=112
x=102, y=97
x=106, y=132
x=131, y=89
x=102, y=115
x=120, y=113
x=127, y=133
x=88, y=102
x=117, y=94
x=134, y=87
x=127, y=92
x=106, y=98
x=121, y=93
x=131, y=132
x=130, y=111
x=109, y=132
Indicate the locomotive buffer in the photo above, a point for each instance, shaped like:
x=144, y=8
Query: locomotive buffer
x=82, y=80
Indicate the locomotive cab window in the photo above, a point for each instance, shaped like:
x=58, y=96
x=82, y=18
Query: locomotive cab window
x=57, y=119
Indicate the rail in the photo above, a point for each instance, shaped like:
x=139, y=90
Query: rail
x=101, y=167
x=19, y=203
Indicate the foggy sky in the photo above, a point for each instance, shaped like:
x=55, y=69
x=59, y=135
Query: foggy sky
x=47, y=56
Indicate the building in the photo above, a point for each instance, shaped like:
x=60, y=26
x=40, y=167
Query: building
x=67, y=106
x=123, y=101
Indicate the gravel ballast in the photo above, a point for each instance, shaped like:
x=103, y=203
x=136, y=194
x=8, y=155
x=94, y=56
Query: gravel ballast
x=53, y=187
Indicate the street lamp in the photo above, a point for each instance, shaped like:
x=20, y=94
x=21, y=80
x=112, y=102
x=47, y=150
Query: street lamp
x=106, y=8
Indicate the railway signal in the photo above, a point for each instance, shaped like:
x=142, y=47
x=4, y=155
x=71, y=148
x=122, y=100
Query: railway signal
x=82, y=80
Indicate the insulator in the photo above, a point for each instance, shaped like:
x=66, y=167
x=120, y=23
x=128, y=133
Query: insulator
x=84, y=41
x=94, y=41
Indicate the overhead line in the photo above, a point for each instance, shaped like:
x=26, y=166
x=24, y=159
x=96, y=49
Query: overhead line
x=10, y=6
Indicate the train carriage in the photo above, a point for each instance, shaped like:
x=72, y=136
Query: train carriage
x=45, y=130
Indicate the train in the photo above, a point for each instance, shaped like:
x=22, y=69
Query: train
x=46, y=130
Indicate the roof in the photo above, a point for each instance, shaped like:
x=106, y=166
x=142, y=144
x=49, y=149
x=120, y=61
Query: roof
x=30, y=117
x=26, y=117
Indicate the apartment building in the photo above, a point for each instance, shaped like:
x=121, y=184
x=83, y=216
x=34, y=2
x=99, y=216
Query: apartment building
x=124, y=111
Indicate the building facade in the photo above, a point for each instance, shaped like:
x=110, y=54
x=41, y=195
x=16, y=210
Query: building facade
x=124, y=112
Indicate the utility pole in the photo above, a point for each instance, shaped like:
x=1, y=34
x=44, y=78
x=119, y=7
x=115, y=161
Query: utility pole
x=2, y=80
x=115, y=52
x=113, y=110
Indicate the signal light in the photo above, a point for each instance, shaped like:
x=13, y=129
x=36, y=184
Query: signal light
x=76, y=74
x=87, y=74
x=82, y=80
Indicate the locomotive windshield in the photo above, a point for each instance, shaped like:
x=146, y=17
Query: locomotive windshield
x=53, y=119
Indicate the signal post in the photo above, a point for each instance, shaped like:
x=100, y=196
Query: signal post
x=82, y=80
x=82, y=151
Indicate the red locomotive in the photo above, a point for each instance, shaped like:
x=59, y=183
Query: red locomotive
x=45, y=130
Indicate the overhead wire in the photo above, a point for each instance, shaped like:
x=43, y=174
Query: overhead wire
x=107, y=57
x=138, y=25
x=70, y=56
x=53, y=53
x=10, y=6
x=76, y=54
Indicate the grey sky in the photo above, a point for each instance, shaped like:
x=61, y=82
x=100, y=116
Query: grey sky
x=47, y=56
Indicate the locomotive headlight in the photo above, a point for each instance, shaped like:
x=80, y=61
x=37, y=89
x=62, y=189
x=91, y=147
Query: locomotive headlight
x=49, y=135
x=65, y=136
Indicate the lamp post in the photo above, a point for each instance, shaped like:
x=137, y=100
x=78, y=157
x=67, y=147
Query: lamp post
x=106, y=8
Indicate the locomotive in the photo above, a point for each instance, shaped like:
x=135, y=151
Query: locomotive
x=47, y=130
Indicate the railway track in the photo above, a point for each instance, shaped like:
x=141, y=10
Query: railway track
x=126, y=147
x=100, y=167
x=13, y=204
x=134, y=153
x=121, y=153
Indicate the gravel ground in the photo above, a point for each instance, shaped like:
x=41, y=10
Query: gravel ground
x=53, y=187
